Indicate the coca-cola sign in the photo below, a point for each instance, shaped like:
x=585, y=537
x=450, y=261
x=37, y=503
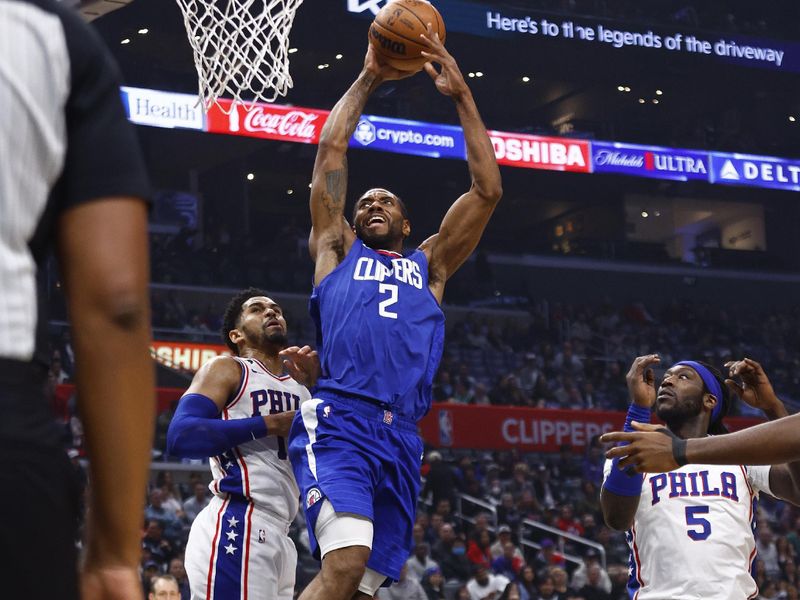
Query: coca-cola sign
x=296, y=123
x=270, y=121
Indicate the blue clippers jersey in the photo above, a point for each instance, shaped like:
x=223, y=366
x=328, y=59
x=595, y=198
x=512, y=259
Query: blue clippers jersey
x=380, y=331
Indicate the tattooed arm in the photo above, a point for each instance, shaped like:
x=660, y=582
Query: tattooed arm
x=331, y=235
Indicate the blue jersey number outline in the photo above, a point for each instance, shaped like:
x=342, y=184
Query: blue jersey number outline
x=693, y=520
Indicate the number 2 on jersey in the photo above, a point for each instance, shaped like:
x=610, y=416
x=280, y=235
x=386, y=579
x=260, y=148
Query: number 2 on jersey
x=392, y=299
x=693, y=520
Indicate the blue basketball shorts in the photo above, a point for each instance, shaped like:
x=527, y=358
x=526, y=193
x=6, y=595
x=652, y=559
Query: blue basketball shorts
x=365, y=461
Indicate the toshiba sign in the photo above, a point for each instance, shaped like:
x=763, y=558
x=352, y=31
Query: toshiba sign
x=537, y=152
x=186, y=355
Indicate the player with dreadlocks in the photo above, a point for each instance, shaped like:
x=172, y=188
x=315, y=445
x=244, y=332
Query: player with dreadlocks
x=691, y=531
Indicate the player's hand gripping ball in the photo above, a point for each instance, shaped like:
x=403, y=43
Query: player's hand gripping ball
x=395, y=32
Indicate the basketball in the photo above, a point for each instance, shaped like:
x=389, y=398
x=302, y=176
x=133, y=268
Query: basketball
x=396, y=29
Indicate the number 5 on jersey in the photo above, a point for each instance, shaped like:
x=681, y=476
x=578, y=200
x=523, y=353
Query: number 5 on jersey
x=693, y=520
x=383, y=305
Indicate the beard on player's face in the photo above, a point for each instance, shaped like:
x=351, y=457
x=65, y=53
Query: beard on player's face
x=261, y=337
x=372, y=239
x=679, y=410
x=276, y=338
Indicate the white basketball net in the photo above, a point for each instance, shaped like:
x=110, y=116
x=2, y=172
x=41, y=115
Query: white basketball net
x=240, y=47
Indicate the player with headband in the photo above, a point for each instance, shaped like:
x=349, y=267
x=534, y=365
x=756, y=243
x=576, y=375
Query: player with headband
x=691, y=532
x=769, y=443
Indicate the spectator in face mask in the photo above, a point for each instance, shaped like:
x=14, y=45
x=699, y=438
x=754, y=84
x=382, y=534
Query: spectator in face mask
x=454, y=562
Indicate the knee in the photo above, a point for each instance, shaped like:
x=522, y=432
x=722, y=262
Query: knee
x=346, y=566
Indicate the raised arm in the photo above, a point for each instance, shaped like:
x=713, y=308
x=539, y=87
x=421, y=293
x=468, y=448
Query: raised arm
x=652, y=449
x=621, y=491
x=331, y=236
x=463, y=225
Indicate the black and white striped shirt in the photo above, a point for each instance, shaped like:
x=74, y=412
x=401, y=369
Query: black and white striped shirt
x=64, y=140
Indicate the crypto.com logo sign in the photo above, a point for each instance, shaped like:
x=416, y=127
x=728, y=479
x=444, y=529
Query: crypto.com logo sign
x=360, y=6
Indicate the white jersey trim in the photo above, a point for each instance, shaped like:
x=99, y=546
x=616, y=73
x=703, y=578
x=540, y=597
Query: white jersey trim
x=245, y=377
x=308, y=411
x=758, y=476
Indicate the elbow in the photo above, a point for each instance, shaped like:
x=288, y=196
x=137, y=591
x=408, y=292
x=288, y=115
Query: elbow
x=125, y=306
x=129, y=314
x=331, y=147
x=618, y=524
x=173, y=441
x=496, y=193
x=490, y=192
x=178, y=434
x=615, y=521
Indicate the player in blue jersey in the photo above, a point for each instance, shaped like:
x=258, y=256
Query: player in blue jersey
x=354, y=447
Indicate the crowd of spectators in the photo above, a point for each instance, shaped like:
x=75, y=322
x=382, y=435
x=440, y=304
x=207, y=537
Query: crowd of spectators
x=559, y=355
x=472, y=552
x=576, y=356
x=554, y=355
x=186, y=256
x=566, y=356
x=471, y=557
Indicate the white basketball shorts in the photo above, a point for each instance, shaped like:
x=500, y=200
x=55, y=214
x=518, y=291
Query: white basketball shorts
x=236, y=552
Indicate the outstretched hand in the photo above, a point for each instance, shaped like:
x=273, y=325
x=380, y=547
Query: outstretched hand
x=755, y=388
x=279, y=424
x=449, y=81
x=649, y=449
x=641, y=380
x=375, y=64
x=302, y=364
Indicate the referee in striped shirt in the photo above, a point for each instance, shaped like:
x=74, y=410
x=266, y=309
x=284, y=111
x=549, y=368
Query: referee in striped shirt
x=71, y=179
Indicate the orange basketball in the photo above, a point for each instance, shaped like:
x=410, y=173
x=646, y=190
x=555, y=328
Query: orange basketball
x=396, y=29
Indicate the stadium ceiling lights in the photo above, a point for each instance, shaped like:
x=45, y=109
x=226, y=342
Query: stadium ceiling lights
x=526, y=79
x=292, y=50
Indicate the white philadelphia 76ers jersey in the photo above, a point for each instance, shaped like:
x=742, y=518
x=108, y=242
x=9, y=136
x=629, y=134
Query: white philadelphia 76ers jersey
x=692, y=536
x=260, y=470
